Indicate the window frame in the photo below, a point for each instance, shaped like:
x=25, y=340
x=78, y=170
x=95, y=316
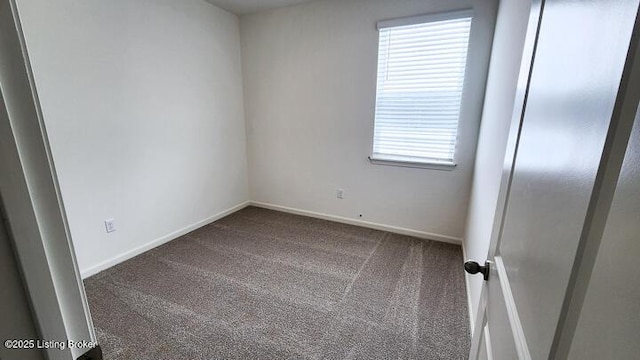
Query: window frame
x=414, y=20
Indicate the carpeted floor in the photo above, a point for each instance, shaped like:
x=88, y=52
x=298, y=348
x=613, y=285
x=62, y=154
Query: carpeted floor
x=262, y=284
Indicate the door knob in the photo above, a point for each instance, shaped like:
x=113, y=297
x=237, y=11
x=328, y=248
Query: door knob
x=472, y=267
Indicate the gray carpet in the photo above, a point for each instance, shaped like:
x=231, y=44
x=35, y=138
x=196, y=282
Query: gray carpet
x=262, y=284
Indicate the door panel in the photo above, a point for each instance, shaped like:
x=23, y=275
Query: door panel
x=609, y=322
x=572, y=92
x=501, y=334
x=482, y=352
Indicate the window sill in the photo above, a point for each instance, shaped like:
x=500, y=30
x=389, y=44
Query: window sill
x=412, y=164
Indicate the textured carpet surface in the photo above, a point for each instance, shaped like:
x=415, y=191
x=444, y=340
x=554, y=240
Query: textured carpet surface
x=262, y=284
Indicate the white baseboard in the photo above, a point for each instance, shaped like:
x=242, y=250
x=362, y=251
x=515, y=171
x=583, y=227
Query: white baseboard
x=157, y=242
x=472, y=319
x=367, y=224
x=85, y=273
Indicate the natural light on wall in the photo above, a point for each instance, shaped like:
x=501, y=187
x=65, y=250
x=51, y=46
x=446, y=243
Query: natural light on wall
x=421, y=66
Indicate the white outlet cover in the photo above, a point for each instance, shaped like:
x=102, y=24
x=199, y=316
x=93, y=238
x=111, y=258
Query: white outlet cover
x=340, y=193
x=110, y=225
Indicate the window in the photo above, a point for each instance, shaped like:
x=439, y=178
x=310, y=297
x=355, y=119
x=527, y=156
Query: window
x=421, y=66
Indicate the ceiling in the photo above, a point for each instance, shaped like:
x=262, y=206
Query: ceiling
x=242, y=7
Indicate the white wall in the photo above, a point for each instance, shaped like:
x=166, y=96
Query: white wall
x=143, y=105
x=309, y=82
x=508, y=43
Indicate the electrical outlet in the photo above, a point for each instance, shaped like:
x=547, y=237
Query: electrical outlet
x=340, y=194
x=110, y=225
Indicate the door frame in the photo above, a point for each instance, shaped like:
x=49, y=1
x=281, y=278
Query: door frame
x=32, y=201
x=15, y=312
x=619, y=132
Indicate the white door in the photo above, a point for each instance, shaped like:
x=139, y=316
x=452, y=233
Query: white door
x=567, y=109
x=36, y=221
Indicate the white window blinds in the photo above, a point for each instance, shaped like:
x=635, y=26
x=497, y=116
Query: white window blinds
x=420, y=77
